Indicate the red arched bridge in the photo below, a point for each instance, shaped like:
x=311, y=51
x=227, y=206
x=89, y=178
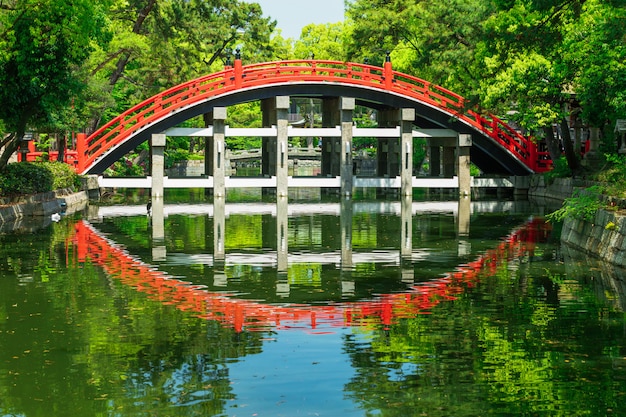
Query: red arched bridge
x=496, y=146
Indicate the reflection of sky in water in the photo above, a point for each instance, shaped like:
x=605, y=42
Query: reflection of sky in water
x=297, y=374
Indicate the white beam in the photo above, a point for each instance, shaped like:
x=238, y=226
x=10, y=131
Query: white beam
x=329, y=132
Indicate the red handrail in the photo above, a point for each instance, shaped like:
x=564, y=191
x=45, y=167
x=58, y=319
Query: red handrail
x=257, y=75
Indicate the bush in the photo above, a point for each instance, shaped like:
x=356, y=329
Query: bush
x=560, y=169
x=125, y=168
x=36, y=177
x=582, y=206
x=174, y=156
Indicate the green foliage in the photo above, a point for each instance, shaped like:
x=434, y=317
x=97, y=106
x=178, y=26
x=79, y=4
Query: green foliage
x=323, y=41
x=175, y=155
x=613, y=174
x=41, y=45
x=474, y=170
x=560, y=169
x=614, y=171
x=126, y=168
x=31, y=178
x=63, y=175
x=431, y=39
x=583, y=205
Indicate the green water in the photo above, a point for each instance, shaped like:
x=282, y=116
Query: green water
x=121, y=324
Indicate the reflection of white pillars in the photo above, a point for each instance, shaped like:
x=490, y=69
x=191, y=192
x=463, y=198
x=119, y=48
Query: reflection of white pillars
x=282, y=235
x=406, y=240
x=346, y=109
x=157, y=147
x=282, y=247
x=218, y=150
x=347, y=287
x=406, y=229
x=219, y=226
x=346, y=280
x=463, y=220
x=159, y=251
x=407, y=117
x=282, y=286
x=219, y=252
x=346, y=233
x=219, y=239
x=463, y=164
x=282, y=145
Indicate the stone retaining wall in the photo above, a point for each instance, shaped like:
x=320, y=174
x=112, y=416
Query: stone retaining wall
x=604, y=237
x=44, y=204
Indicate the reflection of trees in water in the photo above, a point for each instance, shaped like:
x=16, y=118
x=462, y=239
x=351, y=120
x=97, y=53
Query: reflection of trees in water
x=515, y=344
x=78, y=331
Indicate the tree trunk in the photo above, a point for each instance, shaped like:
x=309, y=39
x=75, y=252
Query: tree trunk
x=123, y=60
x=10, y=148
x=121, y=63
x=570, y=154
x=554, y=147
x=61, y=144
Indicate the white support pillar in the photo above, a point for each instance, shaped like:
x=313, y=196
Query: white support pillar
x=346, y=108
x=407, y=117
x=217, y=119
x=157, y=146
x=282, y=145
x=463, y=164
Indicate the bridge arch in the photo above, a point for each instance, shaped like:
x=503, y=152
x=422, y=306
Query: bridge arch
x=496, y=148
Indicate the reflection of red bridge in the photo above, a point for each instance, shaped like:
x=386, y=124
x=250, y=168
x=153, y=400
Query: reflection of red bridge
x=251, y=315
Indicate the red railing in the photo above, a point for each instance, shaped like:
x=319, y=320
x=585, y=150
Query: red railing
x=250, y=315
x=257, y=75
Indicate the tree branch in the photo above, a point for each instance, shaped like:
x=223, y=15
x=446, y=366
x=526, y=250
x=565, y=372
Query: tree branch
x=109, y=59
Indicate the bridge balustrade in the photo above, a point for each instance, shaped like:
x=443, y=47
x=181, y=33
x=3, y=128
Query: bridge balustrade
x=170, y=102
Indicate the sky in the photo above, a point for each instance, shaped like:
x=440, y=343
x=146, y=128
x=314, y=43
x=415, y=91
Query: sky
x=293, y=15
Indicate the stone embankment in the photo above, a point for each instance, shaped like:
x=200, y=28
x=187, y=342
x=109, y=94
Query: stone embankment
x=44, y=205
x=604, y=237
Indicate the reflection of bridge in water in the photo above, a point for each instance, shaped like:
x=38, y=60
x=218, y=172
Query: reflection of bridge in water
x=93, y=246
x=345, y=256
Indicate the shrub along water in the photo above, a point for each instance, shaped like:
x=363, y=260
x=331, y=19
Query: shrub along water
x=36, y=177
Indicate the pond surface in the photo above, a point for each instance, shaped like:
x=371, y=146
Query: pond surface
x=323, y=308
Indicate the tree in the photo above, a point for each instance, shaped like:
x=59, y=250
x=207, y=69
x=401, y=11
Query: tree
x=597, y=50
x=158, y=45
x=323, y=41
x=431, y=39
x=526, y=71
x=42, y=44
